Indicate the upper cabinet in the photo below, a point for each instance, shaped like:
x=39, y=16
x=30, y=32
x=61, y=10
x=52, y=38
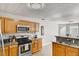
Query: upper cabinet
x=10, y=26
x=36, y=27
x=1, y=25
x=23, y=22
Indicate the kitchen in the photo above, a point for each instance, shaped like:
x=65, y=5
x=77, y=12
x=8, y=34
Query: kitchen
x=16, y=39
x=39, y=29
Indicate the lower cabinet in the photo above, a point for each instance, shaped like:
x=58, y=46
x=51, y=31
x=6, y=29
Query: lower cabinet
x=6, y=52
x=63, y=50
x=36, y=45
x=71, y=51
x=39, y=44
x=0, y=51
x=13, y=50
x=58, y=50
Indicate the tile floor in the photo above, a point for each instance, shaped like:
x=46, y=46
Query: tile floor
x=46, y=51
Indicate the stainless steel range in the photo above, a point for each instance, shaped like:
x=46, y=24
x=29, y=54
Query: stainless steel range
x=24, y=46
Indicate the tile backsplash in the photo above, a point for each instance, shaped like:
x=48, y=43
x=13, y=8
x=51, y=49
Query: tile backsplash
x=5, y=36
x=30, y=35
x=69, y=41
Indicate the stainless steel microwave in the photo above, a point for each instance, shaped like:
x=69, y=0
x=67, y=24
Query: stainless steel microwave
x=23, y=28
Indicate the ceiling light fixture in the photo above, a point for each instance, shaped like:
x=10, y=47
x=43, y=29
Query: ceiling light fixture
x=36, y=5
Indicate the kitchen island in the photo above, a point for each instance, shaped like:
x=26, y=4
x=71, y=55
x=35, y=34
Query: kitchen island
x=65, y=47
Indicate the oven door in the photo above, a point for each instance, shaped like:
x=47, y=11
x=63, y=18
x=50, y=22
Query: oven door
x=25, y=48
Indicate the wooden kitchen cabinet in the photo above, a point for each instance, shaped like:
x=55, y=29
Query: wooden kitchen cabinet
x=32, y=27
x=0, y=51
x=64, y=50
x=39, y=44
x=10, y=26
x=13, y=50
x=54, y=53
x=7, y=25
x=71, y=51
x=36, y=27
x=23, y=22
x=2, y=24
x=36, y=45
x=58, y=50
x=5, y=51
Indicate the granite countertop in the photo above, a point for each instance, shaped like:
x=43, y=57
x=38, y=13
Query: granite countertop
x=35, y=38
x=72, y=45
x=67, y=37
x=11, y=43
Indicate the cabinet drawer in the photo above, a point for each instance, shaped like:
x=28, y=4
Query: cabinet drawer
x=71, y=49
x=11, y=46
x=59, y=45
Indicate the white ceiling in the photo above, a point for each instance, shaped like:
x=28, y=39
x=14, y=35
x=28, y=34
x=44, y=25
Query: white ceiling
x=52, y=11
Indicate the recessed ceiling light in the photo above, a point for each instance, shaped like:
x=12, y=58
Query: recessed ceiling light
x=36, y=5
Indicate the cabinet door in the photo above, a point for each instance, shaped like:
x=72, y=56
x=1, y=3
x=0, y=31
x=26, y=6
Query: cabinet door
x=2, y=24
x=32, y=27
x=23, y=22
x=36, y=27
x=58, y=50
x=13, y=50
x=6, y=51
x=0, y=51
x=39, y=44
x=34, y=46
x=10, y=26
x=71, y=51
x=54, y=49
